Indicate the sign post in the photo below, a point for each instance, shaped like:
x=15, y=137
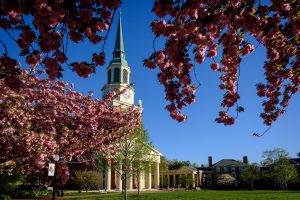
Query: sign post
x=51, y=169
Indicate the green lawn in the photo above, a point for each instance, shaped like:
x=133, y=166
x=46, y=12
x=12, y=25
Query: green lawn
x=195, y=195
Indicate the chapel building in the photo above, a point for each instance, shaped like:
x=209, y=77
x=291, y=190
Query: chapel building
x=118, y=77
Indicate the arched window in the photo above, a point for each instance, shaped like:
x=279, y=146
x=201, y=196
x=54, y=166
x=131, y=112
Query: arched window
x=117, y=75
x=125, y=76
x=109, y=76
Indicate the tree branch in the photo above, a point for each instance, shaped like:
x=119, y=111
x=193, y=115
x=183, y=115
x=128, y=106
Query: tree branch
x=260, y=135
x=6, y=52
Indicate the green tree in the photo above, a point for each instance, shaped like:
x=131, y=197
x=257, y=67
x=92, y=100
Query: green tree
x=87, y=179
x=195, y=165
x=271, y=156
x=284, y=172
x=133, y=156
x=139, y=167
x=175, y=164
x=186, y=180
x=164, y=163
x=101, y=166
x=250, y=174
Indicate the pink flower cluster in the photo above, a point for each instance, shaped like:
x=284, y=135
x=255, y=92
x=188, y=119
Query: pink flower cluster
x=83, y=69
x=54, y=24
x=207, y=27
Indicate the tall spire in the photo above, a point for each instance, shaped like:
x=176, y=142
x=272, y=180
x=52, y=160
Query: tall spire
x=119, y=51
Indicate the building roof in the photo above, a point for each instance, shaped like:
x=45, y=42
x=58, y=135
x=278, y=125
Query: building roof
x=205, y=169
x=181, y=170
x=119, y=45
x=229, y=162
x=152, y=149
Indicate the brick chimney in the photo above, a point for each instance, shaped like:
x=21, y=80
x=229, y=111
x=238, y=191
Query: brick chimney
x=209, y=161
x=245, y=159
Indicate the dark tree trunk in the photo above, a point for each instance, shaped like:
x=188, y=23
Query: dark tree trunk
x=138, y=184
x=125, y=186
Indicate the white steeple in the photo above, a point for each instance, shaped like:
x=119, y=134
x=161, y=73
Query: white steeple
x=118, y=72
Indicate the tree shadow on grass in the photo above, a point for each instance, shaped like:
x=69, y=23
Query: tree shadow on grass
x=255, y=192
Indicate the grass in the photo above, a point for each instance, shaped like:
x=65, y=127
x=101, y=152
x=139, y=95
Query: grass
x=195, y=195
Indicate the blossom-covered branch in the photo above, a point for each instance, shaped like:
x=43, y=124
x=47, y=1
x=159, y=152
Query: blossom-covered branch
x=45, y=28
x=212, y=26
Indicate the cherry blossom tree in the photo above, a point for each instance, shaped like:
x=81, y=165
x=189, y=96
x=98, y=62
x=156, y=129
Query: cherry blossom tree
x=41, y=118
x=45, y=29
x=44, y=118
x=193, y=30
x=199, y=29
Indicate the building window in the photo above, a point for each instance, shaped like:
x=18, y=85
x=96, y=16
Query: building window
x=225, y=169
x=116, y=75
x=218, y=170
x=125, y=76
x=109, y=76
x=241, y=169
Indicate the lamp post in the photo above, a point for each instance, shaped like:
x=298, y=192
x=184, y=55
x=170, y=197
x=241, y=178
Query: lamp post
x=56, y=159
x=91, y=94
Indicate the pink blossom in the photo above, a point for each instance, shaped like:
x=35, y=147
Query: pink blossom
x=247, y=49
x=99, y=59
x=285, y=7
x=214, y=66
x=273, y=55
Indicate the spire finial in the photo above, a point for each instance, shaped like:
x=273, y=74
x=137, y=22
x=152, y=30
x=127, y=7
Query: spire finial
x=119, y=45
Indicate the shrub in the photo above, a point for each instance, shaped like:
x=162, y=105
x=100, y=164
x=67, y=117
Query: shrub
x=186, y=181
x=24, y=194
x=9, y=182
x=87, y=179
x=4, y=197
x=26, y=191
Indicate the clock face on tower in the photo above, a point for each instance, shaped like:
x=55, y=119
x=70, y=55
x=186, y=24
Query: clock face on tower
x=126, y=94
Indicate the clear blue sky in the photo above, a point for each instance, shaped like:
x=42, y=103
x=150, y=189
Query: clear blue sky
x=199, y=136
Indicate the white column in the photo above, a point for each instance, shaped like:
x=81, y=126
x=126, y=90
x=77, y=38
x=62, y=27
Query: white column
x=130, y=178
x=200, y=177
x=140, y=180
x=149, y=177
x=108, y=177
x=162, y=180
x=157, y=176
x=174, y=180
x=168, y=180
x=193, y=176
x=120, y=178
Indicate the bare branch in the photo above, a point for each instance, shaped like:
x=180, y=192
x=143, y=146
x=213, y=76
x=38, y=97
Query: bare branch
x=260, y=135
x=6, y=52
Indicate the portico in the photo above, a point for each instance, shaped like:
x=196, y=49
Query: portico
x=171, y=178
x=147, y=180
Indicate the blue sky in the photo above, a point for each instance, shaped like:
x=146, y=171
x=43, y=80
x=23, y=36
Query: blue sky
x=199, y=136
